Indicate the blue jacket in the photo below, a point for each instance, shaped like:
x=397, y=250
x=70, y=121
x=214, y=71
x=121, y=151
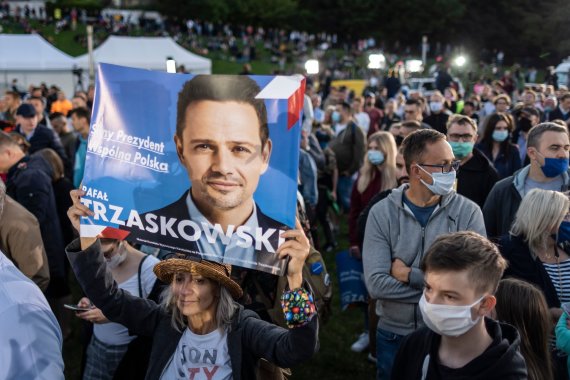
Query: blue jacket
x=504, y=200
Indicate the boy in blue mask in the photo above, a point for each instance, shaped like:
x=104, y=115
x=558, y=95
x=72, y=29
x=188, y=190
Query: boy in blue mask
x=462, y=272
x=548, y=147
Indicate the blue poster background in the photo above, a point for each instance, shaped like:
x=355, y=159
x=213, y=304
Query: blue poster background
x=132, y=171
x=143, y=103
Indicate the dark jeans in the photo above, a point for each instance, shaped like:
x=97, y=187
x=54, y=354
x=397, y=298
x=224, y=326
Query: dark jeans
x=387, y=344
x=322, y=214
x=344, y=190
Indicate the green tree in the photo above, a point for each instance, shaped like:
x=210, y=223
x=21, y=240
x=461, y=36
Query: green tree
x=212, y=10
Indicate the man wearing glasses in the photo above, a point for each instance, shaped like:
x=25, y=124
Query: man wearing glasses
x=401, y=228
x=476, y=176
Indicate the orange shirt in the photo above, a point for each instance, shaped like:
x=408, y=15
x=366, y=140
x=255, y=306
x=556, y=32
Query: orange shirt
x=63, y=106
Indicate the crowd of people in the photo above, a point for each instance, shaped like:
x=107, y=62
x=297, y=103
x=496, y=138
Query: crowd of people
x=413, y=168
x=455, y=203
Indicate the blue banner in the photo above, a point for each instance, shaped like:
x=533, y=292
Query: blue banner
x=203, y=165
x=350, y=280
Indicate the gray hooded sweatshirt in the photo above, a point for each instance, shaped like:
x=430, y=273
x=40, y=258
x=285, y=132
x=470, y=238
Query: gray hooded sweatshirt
x=392, y=232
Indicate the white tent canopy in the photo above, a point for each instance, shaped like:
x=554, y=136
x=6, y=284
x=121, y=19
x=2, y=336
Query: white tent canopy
x=32, y=60
x=146, y=53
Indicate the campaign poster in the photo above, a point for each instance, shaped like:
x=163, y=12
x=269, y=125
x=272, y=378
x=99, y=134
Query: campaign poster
x=203, y=165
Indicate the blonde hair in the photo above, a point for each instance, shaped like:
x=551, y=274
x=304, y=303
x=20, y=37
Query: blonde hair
x=225, y=308
x=540, y=212
x=387, y=145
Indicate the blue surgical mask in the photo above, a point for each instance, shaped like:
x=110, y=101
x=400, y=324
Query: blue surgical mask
x=335, y=117
x=442, y=182
x=375, y=157
x=553, y=167
x=547, y=109
x=500, y=136
x=461, y=149
x=563, y=233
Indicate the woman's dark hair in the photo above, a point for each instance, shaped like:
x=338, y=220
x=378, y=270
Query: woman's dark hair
x=523, y=305
x=222, y=88
x=490, y=124
x=54, y=161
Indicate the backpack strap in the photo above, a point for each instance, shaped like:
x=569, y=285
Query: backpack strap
x=139, y=276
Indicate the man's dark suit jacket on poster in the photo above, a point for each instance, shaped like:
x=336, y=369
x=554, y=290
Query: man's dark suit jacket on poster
x=179, y=211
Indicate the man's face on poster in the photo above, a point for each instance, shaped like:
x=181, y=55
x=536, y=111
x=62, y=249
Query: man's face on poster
x=222, y=152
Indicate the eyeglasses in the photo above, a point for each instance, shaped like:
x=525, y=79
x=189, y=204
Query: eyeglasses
x=457, y=137
x=445, y=168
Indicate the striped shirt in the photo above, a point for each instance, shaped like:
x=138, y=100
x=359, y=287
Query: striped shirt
x=562, y=289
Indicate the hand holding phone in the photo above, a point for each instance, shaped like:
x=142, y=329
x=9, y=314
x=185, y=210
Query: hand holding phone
x=77, y=308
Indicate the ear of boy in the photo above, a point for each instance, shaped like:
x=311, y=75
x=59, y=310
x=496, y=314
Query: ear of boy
x=486, y=306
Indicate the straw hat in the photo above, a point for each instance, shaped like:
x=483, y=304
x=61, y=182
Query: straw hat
x=166, y=269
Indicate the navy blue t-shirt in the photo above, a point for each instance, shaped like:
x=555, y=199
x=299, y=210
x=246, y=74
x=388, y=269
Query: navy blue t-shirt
x=422, y=214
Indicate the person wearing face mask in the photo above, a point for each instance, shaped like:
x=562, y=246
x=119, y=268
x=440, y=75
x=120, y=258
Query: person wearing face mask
x=462, y=272
x=111, y=350
x=399, y=230
x=401, y=178
x=535, y=245
x=439, y=115
x=497, y=146
x=324, y=130
x=377, y=174
x=476, y=175
x=537, y=249
x=548, y=147
x=348, y=147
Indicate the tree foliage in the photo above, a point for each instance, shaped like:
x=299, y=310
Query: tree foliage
x=521, y=28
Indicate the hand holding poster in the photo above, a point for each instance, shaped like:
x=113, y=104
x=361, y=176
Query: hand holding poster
x=200, y=165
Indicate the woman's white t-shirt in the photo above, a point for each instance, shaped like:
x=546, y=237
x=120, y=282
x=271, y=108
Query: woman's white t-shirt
x=200, y=357
x=115, y=334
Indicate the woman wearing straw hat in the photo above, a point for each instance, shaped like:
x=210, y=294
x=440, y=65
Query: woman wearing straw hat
x=198, y=331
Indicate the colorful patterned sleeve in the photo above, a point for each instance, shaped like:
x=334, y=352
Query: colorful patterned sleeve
x=298, y=307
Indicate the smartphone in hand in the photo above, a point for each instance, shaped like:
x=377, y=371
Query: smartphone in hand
x=76, y=308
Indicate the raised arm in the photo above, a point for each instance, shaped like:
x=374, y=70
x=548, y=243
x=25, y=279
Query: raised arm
x=139, y=315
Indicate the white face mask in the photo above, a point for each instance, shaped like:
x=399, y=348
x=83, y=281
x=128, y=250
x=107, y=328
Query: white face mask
x=436, y=106
x=448, y=320
x=118, y=258
x=442, y=182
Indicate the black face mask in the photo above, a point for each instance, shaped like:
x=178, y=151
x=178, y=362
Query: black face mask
x=369, y=104
x=399, y=140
